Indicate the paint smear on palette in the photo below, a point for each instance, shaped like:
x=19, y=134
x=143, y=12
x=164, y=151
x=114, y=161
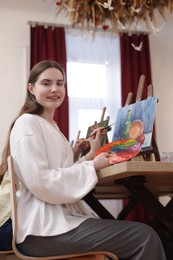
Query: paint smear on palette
x=120, y=150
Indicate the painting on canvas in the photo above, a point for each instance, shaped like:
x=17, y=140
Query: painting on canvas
x=136, y=121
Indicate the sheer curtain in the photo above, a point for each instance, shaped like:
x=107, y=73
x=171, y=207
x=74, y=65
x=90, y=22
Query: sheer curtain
x=101, y=49
x=49, y=43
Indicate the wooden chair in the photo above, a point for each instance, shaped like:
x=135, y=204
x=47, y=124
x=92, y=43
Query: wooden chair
x=7, y=255
x=6, y=252
x=81, y=256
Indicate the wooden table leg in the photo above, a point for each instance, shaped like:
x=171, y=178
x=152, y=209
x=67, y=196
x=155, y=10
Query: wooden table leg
x=137, y=188
x=128, y=208
x=99, y=209
x=169, y=206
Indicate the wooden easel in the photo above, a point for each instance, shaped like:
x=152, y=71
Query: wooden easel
x=95, y=125
x=147, y=153
x=92, y=199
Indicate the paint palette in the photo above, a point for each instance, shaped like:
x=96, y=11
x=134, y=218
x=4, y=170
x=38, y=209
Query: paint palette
x=120, y=150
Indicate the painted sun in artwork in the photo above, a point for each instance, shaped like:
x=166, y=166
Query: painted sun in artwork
x=136, y=131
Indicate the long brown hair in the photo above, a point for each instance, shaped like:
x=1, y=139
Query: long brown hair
x=30, y=106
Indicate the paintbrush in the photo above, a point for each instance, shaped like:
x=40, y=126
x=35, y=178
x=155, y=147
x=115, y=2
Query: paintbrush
x=104, y=128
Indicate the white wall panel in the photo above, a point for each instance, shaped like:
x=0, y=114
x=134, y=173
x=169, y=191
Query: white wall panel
x=13, y=69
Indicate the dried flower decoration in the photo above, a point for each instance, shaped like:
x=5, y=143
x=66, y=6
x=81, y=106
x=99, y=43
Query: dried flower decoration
x=58, y=3
x=113, y=14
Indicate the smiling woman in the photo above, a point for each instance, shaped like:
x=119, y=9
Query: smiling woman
x=53, y=185
x=49, y=91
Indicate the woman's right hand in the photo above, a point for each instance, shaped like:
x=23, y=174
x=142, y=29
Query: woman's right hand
x=95, y=142
x=101, y=161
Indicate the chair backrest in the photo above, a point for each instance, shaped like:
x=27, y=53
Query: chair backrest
x=13, y=188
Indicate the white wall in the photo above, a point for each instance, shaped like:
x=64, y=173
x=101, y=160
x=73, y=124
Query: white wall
x=14, y=67
x=161, y=47
x=14, y=58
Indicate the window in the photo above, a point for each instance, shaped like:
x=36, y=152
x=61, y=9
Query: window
x=86, y=80
x=87, y=91
x=93, y=80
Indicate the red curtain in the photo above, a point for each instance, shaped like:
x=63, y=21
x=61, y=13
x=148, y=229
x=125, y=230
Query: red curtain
x=134, y=63
x=49, y=44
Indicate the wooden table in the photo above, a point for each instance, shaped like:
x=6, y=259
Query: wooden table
x=158, y=177
x=144, y=180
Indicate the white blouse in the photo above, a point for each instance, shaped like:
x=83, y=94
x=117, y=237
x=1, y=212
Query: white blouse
x=48, y=202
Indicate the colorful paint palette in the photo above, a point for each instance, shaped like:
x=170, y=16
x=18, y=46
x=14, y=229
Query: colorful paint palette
x=120, y=150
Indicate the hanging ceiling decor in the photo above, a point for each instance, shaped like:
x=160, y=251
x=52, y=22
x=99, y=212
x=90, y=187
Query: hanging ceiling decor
x=114, y=14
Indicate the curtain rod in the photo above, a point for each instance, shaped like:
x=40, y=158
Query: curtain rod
x=76, y=27
x=34, y=23
x=66, y=26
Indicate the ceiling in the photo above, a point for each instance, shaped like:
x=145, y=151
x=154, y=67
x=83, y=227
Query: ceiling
x=32, y=5
x=46, y=6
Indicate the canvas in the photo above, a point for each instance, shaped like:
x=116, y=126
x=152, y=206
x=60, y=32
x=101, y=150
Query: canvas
x=136, y=121
x=103, y=123
x=104, y=139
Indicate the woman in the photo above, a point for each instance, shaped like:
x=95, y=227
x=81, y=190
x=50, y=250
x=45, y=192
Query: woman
x=52, y=218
